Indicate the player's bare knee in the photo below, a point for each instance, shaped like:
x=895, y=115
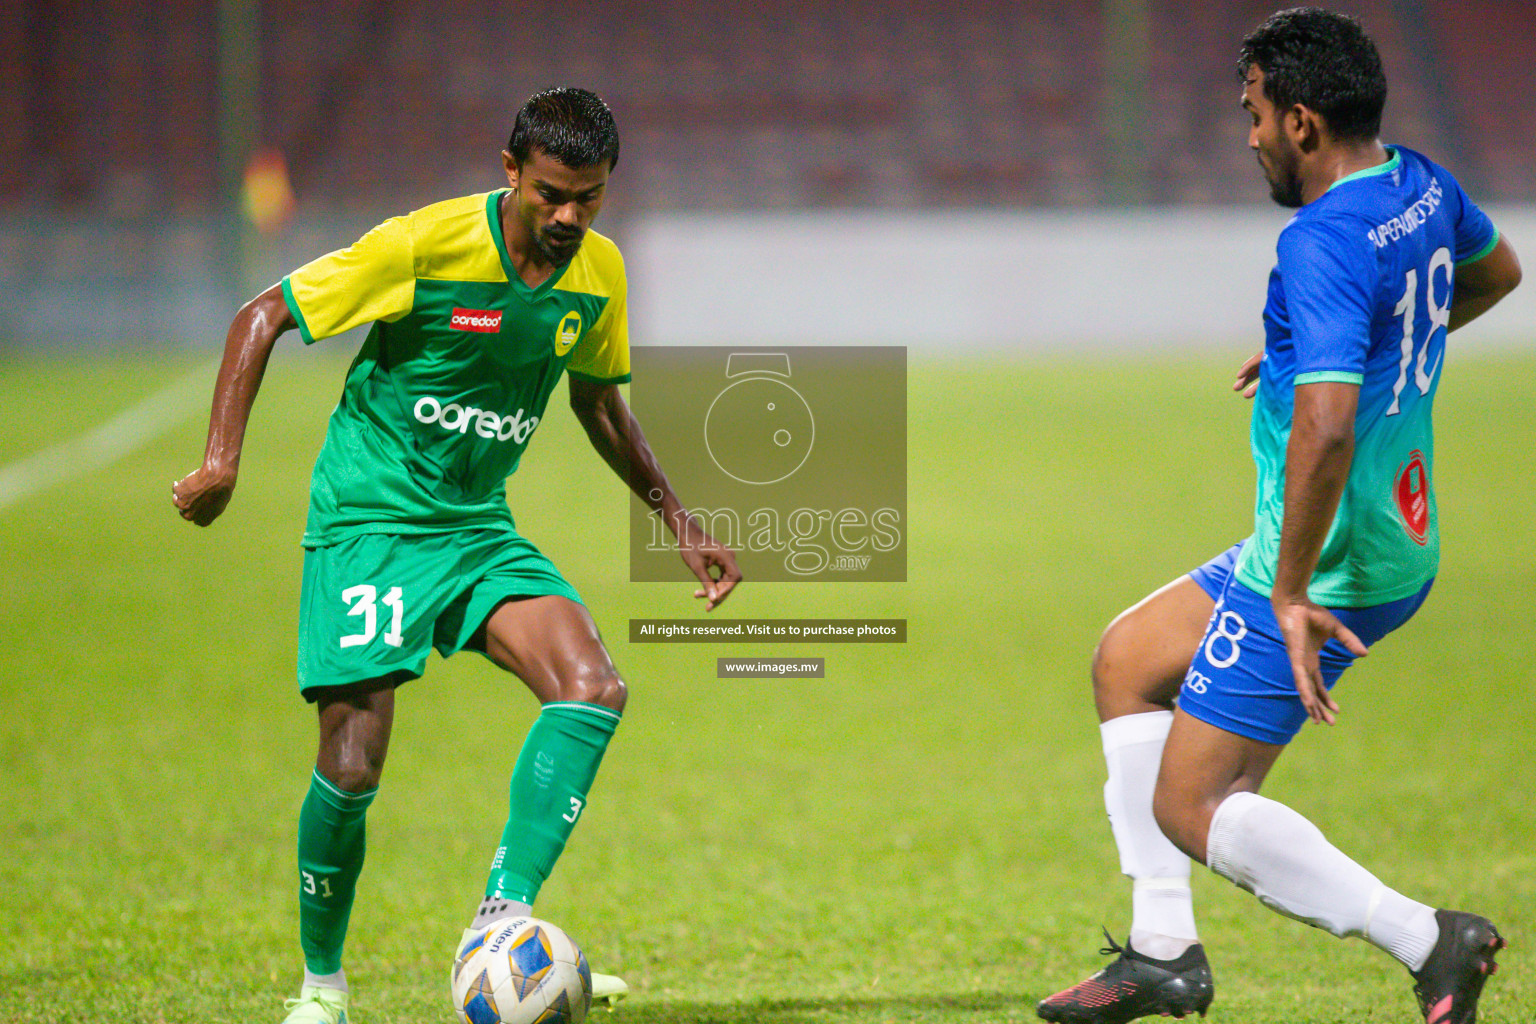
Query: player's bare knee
x=355, y=772
x=353, y=746
x=596, y=686
x=1102, y=669
x=1112, y=680
x=353, y=759
x=615, y=694
x=1132, y=670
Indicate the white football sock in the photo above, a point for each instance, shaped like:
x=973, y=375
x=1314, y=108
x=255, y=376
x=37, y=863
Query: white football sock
x=337, y=980
x=493, y=910
x=1282, y=858
x=1162, y=908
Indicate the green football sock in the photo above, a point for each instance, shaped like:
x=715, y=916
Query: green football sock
x=549, y=789
x=332, y=827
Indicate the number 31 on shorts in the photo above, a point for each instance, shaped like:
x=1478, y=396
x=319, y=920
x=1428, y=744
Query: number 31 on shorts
x=364, y=601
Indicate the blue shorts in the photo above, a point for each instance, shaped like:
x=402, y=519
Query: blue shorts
x=1213, y=575
x=1240, y=679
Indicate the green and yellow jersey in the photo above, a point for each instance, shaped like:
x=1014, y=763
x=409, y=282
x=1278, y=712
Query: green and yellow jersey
x=456, y=371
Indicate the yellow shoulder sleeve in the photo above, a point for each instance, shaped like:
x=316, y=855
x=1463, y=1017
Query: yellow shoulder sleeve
x=373, y=279
x=602, y=354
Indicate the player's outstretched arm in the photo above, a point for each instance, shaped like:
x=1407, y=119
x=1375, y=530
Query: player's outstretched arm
x=1481, y=284
x=616, y=435
x=203, y=493
x=1317, y=460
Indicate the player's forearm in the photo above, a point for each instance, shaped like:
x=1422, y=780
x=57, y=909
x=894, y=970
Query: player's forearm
x=637, y=464
x=1468, y=305
x=656, y=491
x=1313, y=485
x=616, y=434
x=1317, y=462
x=247, y=347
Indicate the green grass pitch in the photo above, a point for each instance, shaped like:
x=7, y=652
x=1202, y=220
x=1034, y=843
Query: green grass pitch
x=918, y=837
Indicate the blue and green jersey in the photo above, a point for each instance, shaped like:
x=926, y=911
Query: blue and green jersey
x=1361, y=294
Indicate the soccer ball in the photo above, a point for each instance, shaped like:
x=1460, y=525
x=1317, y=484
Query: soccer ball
x=521, y=971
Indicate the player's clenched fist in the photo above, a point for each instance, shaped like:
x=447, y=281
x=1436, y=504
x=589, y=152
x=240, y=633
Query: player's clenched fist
x=202, y=494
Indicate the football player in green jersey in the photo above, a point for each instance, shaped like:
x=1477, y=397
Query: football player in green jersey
x=478, y=306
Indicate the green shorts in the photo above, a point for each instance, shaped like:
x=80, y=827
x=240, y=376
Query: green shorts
x=374, y=605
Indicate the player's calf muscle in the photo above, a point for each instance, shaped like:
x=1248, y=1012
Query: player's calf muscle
x=1184, y=816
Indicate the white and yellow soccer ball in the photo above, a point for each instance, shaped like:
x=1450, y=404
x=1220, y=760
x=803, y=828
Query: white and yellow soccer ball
x=521, y=971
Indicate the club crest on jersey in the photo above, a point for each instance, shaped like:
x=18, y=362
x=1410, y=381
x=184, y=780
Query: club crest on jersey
x=485, y=321
x=1412, y=494
x=567, y=333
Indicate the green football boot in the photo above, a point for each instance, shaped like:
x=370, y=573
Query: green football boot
x=608, y=989
x=317, y=1005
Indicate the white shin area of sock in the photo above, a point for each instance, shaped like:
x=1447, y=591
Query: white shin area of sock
x=1284, y=860
x=337, y=980
x=1162, y=909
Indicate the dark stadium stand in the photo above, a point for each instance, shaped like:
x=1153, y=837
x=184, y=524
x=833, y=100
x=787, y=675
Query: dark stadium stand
x=726, y=105
x=1490, y=47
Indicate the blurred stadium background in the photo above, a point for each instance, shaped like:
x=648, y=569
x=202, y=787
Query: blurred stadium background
x=766, y=145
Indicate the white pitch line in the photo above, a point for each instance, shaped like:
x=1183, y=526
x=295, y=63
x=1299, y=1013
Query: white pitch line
x=126, y=432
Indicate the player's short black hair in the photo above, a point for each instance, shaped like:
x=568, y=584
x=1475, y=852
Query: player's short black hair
x=1323, y=61
x=572, y=125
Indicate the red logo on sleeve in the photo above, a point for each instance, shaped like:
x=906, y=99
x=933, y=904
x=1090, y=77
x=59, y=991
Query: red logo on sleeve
x=486, y=321
x=1412, y=494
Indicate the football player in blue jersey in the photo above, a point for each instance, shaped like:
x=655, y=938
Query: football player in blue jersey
x=1384, y=256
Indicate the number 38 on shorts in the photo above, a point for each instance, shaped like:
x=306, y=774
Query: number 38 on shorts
x=1240, y=678
x=1221, y=647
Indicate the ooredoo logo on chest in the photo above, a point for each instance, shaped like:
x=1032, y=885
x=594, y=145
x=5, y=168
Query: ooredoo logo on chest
x=457, y=419
x=485, y=321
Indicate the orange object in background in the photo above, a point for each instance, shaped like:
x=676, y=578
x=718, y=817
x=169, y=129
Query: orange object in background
x=267, y=194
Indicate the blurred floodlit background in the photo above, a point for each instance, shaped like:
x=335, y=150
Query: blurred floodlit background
x=939, y=174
